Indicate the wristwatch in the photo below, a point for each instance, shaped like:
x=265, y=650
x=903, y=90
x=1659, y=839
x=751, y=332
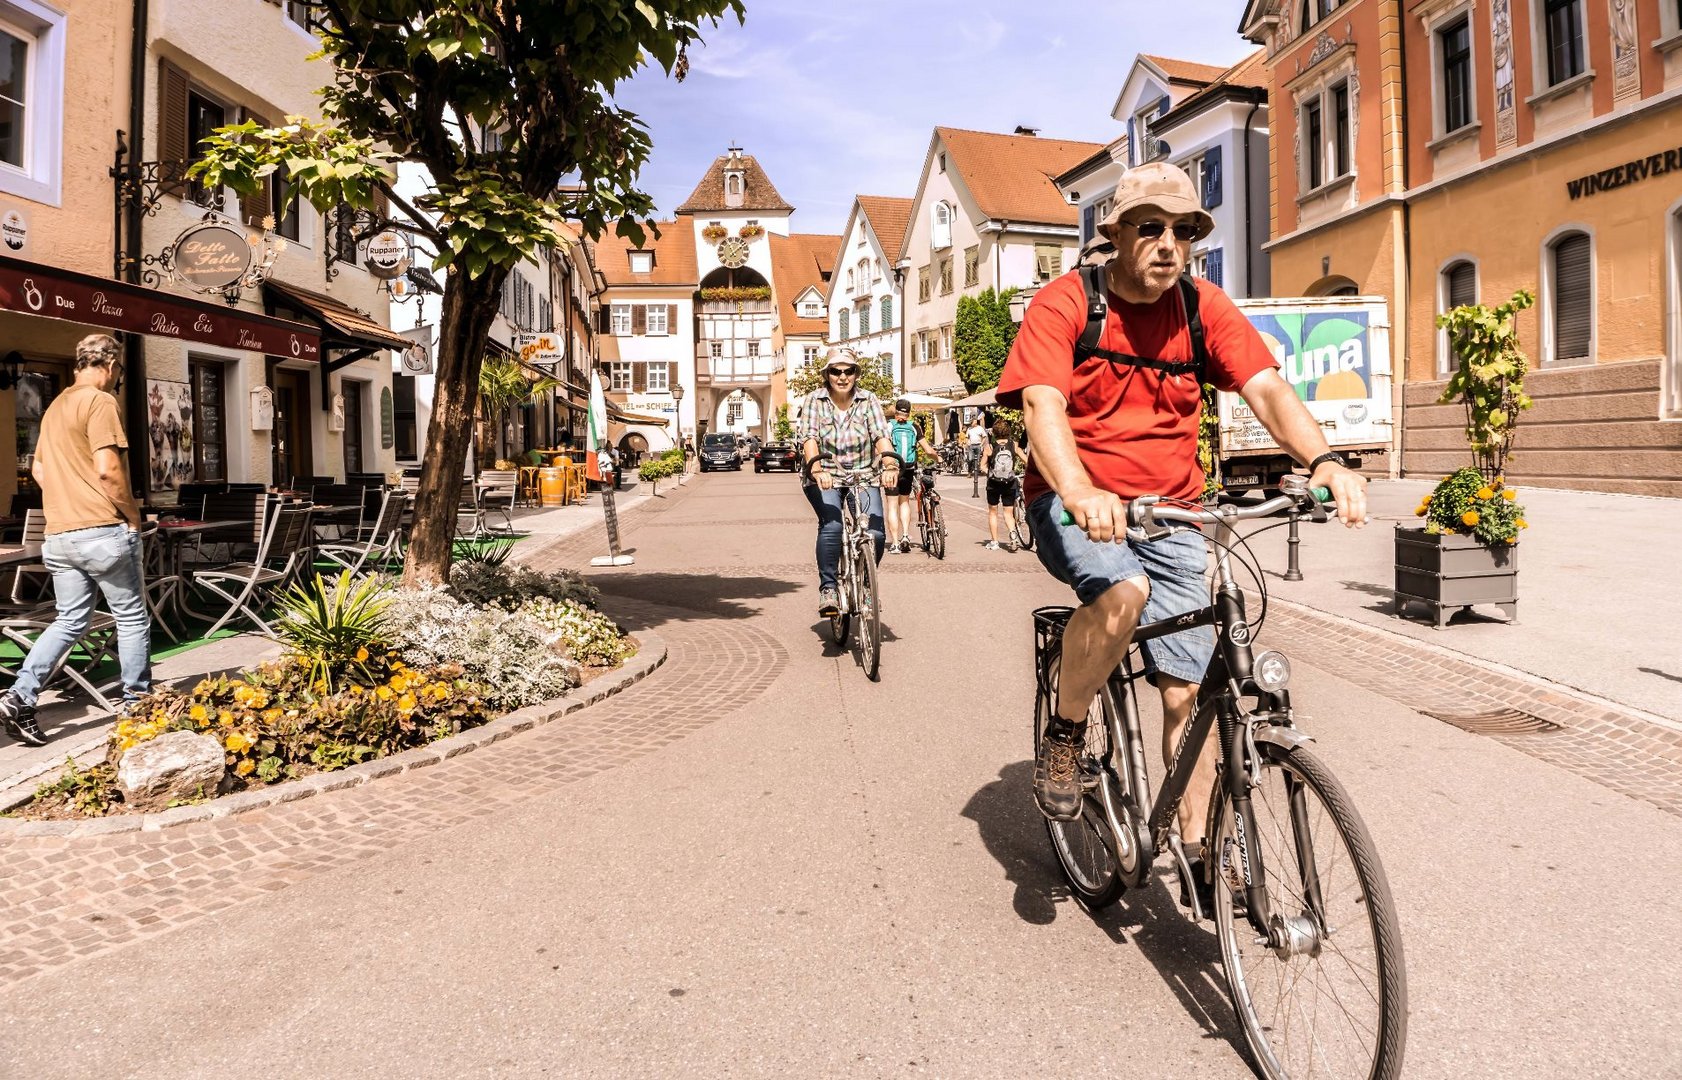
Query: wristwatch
x=1329, y=455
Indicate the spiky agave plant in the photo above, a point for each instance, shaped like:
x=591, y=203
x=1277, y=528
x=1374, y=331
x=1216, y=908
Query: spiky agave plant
x=333, y=626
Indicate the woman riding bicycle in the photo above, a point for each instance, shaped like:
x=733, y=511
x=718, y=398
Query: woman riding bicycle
x=842, y=431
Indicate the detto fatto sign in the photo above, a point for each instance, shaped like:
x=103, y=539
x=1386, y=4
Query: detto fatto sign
x=49, y=292
x=211, y=256
x=1630, y=172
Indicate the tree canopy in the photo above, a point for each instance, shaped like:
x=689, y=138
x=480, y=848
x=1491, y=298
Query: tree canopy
x=981, y=338
x=875, y=375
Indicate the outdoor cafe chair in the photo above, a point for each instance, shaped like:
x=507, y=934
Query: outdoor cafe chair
x=467, y=507
x=161, y=586
x=376, y=543
x=252, y=506
x=96, y=645
x=32, y=581
x=498, y=491
x=246, y=588
x=347, y=520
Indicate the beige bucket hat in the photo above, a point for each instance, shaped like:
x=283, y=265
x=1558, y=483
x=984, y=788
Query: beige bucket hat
x=1159, y=184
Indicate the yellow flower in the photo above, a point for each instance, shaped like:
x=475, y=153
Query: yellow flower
x=361, y=655
x=406, y=703
x=1486, y=493
x=225, y=718
x=1510, y=494
x=198, y=712
x=384, y=692
x=245, y=767
x=1513, y=540
x=399, y=683
x=1523, y=524
x=1419, y=512
x=1470, y=517
x=235, y=742
x=355, y=690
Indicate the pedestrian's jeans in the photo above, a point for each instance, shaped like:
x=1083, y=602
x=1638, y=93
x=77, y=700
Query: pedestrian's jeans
x=827, y=505
x=107, y=557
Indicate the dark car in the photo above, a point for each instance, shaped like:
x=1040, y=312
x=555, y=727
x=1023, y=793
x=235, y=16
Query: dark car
x=718, y=451
x=776, y=455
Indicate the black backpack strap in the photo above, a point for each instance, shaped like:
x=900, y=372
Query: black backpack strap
x=1097, y=308
x=1194, y=325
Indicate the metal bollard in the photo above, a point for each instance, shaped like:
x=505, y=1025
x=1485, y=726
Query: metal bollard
x=1293, y=572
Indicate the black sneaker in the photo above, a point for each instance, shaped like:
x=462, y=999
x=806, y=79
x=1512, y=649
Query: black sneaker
x=1057, y=786
x=829, y=603
x=20, y=720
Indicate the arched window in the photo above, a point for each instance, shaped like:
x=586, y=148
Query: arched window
x=864, y=273
x=850, y=285
x=1459, y=286
x=1571, y=274
x=940, y=227
x=887, y=313
x=845, y=316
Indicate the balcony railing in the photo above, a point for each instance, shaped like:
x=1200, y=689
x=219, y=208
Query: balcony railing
x=718, y=370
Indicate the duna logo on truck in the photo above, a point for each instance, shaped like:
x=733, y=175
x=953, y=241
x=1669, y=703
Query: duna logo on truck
x=1322, y=356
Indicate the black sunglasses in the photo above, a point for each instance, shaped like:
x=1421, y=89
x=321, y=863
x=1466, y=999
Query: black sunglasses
x=849, y=372
x=1185, y=231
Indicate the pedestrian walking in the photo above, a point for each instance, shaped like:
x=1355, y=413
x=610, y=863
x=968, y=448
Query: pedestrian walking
x=999, y=458
x=92, y=535
x=906, y=440
x=977, y=438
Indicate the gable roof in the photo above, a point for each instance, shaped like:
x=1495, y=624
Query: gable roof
x=800, y=261
x=1010, y=176
x=1245, y=80
x=758, y=193
x=674, y=257
x=889, y=217
x=1184, y=70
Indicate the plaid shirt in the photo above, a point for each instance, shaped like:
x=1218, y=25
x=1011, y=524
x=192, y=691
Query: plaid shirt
x=848, y=437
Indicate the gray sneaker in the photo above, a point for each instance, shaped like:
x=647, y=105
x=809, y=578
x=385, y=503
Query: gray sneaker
x=829, y=603
x=1057, y=786
x=20, y=720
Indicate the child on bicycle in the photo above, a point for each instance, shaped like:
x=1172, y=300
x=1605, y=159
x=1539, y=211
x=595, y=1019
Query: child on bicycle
x=841, y=431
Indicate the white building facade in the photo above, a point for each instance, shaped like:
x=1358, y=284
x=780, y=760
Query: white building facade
x=866, y=308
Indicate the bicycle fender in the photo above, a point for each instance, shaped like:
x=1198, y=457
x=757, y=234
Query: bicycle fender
x=1286, y=738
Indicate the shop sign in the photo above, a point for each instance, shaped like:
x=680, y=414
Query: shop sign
x=336, y=417
x=541, y=349
x=417, y=358
x=211, y=256
x=1630, y=172
x=262, y=409
x=14, y=229
x=117, y=305
x=388, y=256
x=388, y=422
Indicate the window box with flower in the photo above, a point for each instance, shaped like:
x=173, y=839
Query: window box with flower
x=748, y=232
x=714, y=233
x=1466, y=553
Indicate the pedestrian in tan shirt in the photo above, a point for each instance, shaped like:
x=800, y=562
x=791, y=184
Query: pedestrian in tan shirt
x=93, y=535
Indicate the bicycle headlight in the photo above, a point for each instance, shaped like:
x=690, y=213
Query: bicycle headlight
x=1271, y=671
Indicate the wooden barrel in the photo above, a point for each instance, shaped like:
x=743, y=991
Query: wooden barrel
x=552, y=486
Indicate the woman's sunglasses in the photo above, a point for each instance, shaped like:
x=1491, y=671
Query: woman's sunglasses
x=847, y=372
x=1185, y=231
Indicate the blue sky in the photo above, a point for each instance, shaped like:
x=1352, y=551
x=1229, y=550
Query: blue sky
x=838, y=99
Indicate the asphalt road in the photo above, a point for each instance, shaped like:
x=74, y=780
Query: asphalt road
x=841, y=878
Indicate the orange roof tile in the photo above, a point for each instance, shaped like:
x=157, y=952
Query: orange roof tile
x=758, y=191
x=889, y=217
x=1010, y=176
x=674, y=257
x=1249, y=74
x=1184, y=70
x=799, y=261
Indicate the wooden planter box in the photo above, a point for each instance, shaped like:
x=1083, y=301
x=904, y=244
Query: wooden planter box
x=1454, y=572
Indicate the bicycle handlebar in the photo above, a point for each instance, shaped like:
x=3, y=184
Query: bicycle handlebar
x=854, y=474
x=1146, y=511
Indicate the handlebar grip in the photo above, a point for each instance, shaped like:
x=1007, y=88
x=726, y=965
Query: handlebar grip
x=1321, y=494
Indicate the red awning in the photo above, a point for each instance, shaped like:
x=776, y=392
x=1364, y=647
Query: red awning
x=53, y=293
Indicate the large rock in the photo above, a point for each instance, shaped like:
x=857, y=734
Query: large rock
x=179, y=765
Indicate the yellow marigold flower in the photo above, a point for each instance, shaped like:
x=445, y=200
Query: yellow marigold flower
x=235, y=742
x=397, y=665
x=355, y=690
x=246, y=767
x=1470, y=517
x=321, y=686
x=406, y=703
x=1510, y=494
x=271, y=715
x=361, y=655
x=225, y=718
x=384, y=692
x=399, y=683
x=198, y=712
x=1486, y=492
x=1419, y=512
x=1512, y=540
x=1523, y=524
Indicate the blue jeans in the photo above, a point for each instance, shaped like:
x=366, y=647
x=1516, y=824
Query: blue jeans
x=106, y=558
x=827, y=505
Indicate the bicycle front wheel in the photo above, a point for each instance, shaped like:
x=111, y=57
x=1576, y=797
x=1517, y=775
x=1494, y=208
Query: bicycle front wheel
x=867, y=612
x=1024, y=535
x=1325, y=993
x=937, y=533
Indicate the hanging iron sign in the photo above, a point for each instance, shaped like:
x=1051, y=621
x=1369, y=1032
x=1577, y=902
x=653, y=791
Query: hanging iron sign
x=211, y=256
x=388, y=255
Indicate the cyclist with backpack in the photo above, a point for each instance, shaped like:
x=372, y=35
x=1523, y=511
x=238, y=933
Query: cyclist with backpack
x=906, y=440
x=999, y=457
x=1108, y=368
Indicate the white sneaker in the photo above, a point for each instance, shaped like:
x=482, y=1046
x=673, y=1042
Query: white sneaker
x=991, y=545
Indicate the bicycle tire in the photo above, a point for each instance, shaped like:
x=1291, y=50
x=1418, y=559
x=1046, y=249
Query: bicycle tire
x=1251, y=969
x=867, y=613
x=1019, y=516
x=937, y=533
x=1086, y=847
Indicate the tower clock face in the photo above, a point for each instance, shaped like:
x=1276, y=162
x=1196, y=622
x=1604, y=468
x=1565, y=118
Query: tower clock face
x=733, y=252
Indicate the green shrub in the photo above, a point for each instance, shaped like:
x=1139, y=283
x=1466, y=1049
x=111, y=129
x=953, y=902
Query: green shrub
x=591, y=637
x=508, y=585
x=512, y=658
x=1463, y=502
x=332, y=627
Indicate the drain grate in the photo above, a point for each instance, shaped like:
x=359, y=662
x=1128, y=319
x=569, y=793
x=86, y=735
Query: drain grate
x=1497, y=722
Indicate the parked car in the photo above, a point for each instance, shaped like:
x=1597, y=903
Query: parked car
x=718, y=451
x=776, y=455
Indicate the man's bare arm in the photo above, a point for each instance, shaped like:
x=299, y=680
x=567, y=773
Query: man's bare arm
x=113, y=480
x=1294, y=428
x=1052, y=442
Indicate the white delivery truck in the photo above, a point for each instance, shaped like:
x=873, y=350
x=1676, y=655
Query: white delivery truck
x=1335, y=351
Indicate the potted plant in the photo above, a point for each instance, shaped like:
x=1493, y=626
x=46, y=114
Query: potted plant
x=1466, y=553
x=714, y=233
x=748, y=232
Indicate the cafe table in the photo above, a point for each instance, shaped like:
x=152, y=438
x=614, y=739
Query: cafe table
x=174, y=535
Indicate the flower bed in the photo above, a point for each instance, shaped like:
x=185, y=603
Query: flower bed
x=370, y=670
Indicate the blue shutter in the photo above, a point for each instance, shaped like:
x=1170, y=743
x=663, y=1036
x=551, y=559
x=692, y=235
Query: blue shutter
x=1211, y=178
x=1212, y=267
x=1162, y=105
x=1088, y=224
x=1132, y=150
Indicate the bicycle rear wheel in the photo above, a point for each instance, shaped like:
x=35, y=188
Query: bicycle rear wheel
x=1327, y=996
x=867, y=612
x=1019, y=517
x=937, y=532
x=1086, y=847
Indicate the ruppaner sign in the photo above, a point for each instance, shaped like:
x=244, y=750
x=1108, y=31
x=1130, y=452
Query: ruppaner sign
x=116, y=305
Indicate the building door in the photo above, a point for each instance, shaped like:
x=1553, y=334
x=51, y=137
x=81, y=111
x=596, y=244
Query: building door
x=291, y=434
x=353, y=426
x=210, y=443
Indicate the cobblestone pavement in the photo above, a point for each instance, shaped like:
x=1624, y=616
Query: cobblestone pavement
x=67, y=899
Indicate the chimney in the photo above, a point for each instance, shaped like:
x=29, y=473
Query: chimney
x=1023, y=129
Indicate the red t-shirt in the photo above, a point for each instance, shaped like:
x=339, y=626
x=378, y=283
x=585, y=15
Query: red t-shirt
x=1135, y=429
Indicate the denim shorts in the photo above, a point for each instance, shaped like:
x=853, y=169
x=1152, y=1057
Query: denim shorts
x=1174, y=566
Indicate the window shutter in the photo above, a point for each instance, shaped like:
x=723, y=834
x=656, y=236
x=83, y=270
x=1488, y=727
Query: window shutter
x=1133, y=150
x=172, y=116
x=260, y=203
x=671, y=318
x=639, y=319
x=1573, y=303
x=1211, y=178
x=639, y=378
x=1088, y=224
x=1462, y=285
x=604, y=320
x=1212, y=267
x=382, y=205
x=887, y=313
x=671, y=374
x=845, y=313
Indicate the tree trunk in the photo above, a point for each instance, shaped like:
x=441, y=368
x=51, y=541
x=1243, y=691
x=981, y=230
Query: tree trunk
x=470, y=305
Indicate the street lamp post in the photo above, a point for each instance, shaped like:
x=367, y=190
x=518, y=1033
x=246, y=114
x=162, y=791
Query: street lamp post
x=677, y=420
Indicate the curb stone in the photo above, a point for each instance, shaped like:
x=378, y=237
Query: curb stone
x=650, y=656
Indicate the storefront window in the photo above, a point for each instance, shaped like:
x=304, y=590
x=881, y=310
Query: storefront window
x=35, y=391
x=353, y=426
x=210, y=438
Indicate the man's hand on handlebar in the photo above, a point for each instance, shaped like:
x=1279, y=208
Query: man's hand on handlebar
x=1349, y=492
x=1102, y=514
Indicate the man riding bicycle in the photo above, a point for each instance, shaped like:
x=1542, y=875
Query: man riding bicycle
x=1116, y=418
x=841, y=428
x=906, y=440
